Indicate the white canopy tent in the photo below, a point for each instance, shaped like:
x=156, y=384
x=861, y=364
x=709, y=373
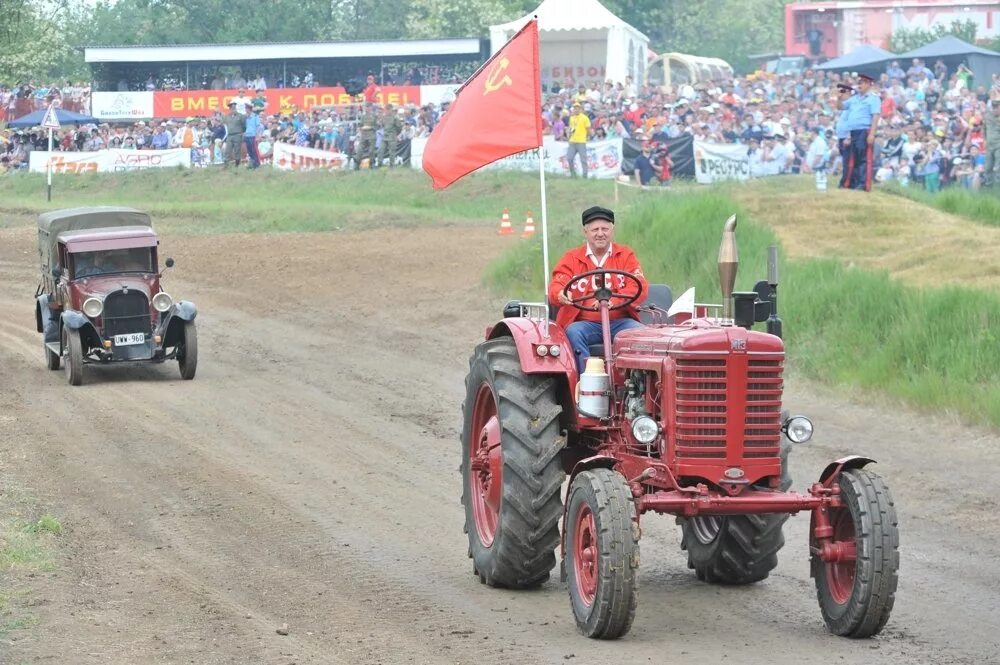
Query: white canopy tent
x=582, y=41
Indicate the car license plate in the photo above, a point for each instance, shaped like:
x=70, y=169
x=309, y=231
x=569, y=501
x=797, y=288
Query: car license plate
x=131, y=338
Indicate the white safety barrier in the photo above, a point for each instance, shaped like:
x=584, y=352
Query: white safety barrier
x=104, y=161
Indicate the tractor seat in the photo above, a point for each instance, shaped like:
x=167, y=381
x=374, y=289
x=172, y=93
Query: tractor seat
x=659, y=295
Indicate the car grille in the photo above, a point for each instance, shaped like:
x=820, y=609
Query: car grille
x=126, y=312
x=704, y=407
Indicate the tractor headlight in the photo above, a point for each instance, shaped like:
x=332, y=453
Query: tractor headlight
x=645, y=429
x=554, y=350
x=542, y=350
x=162, y=302
x=798, y=429
x=93, y=307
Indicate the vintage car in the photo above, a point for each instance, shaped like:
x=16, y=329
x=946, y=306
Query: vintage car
x=100, y=300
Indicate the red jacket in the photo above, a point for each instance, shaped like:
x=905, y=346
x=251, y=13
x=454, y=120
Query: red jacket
x=576, y=261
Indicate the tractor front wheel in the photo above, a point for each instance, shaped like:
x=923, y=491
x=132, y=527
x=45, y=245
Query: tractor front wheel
x=857, y=591
x=511, y=472
x=602, y=553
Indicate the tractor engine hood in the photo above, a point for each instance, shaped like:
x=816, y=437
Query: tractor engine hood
x=696, y=336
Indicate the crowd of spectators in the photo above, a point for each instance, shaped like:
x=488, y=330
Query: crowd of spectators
x=931, y=121
x=332, y=129
x=931, y=129
x=26, y=96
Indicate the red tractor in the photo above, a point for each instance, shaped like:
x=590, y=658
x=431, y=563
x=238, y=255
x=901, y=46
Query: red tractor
x=683, y=418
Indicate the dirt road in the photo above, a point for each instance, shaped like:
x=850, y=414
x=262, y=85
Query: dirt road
x=308, y=477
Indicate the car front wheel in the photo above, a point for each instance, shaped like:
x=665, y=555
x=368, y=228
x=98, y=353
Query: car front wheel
x=187, y=352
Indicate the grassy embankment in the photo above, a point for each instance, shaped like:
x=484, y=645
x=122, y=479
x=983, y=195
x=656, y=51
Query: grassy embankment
x=217, y=201
x=981, y=206
x=880, y=294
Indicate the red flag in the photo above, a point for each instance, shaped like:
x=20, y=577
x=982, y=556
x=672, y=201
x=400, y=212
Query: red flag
x=496, y=113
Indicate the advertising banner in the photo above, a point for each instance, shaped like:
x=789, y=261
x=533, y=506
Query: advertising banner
x=604, y=158
x=720, y=161
x=183, y=103
x=108, y=161
x=288, y=157
x=680, y=149
x=121, y=105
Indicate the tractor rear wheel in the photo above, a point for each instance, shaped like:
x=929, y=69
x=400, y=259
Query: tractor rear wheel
x=511, y=472
x=856, y=594
x=737, y=549
x=602, y=553
x=73, y=352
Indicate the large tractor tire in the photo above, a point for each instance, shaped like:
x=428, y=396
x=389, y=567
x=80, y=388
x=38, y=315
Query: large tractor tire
x=187, y=352
x=739, y=549
x=856, y=595
x=73, y=356
x=511, y=471
x=602, y=553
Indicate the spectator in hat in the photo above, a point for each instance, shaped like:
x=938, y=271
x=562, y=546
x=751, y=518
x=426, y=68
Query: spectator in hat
x=843, y=134
x=579, y=133
x=235, y=124
x=583, y=328
x=863, y=112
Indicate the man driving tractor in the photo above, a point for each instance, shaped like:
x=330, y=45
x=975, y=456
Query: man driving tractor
x=583, y=326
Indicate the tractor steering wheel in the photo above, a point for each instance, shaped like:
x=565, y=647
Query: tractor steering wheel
x=603, y=292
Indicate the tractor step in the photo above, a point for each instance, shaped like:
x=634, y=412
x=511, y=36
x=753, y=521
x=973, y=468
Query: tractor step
x=54, y=348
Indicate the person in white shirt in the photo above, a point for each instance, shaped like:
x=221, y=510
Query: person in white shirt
x=242, y=102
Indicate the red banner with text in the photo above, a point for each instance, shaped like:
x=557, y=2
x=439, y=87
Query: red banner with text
x=185, y=103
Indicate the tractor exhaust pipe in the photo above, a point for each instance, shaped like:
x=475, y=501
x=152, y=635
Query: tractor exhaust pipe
x=729, y=262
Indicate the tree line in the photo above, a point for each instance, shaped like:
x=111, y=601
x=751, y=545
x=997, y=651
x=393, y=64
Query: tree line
x=42, y=39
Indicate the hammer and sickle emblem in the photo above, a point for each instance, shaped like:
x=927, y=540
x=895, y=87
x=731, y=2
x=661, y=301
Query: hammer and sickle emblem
x=496, y=79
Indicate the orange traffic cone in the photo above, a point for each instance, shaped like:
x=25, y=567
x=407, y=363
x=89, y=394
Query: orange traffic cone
x=529, y=227
x=505, y=227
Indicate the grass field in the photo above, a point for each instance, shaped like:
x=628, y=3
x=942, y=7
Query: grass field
x=881, y=294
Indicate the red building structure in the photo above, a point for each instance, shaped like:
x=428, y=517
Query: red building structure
x=821, y=30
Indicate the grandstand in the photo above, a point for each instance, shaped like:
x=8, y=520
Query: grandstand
x=319, y=64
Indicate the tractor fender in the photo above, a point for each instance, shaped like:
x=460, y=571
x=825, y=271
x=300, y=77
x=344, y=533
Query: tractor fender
x=527, y=335
x=75, y=320
x=833, y=469
x=172, y=327
x=594, y=462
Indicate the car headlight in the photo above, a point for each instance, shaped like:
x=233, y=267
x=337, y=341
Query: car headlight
x=645, y=429
x=93, y=307
x=162, y=302
x=798, y=429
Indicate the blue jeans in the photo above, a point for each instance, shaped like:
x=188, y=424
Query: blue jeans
x=582, y=334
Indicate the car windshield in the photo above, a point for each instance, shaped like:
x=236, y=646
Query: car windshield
x=133, y=259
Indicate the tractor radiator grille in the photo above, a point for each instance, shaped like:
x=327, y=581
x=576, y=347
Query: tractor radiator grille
x=126, y=312
x=703, y=408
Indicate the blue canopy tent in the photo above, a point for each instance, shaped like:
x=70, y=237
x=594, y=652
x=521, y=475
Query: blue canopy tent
x=951, y=50
x=34, y=119
x=866, y=58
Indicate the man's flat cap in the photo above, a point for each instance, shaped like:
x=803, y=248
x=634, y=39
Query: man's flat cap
x=597, y=212
x=865, y=77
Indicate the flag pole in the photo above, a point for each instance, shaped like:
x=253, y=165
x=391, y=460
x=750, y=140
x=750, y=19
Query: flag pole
x=545, y=236
x=48, y=168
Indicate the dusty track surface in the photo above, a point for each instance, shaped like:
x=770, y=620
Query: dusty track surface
x=307, y=477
